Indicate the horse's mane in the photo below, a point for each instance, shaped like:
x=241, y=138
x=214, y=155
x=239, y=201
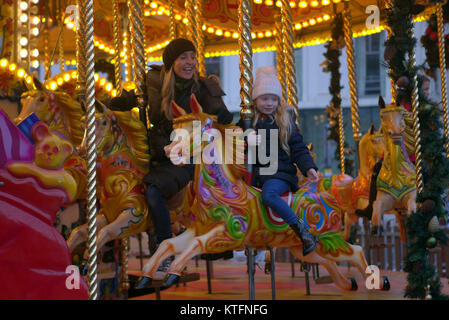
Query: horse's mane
x=136, y=135
x=73, y=114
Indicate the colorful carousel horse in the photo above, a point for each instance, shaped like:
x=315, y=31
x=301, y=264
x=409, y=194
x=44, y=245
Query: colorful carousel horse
x=123, y=160
x=228, y=214
x=396, y=183
x=352, y=193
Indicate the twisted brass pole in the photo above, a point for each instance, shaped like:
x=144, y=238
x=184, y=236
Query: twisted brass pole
x=355, y=112
x=191, y=23
x=138, y=50
x=280, y=56
x=290, y=70
x=200, y=37
x=388, y=6
x=416, y=126
x=46, y=50
x=341, y=135
x=86, y=18
x=171, y=21
x=246, y=56
x=61, y=38
x=117, y=38
x=442, y=56
x=28, y=34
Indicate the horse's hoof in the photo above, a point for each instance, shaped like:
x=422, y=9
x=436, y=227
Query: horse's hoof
x=171, y=280
x=144, y=282
x=354, y=285
x=385, y=283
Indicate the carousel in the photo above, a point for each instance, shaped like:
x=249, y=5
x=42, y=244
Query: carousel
x=72, y=199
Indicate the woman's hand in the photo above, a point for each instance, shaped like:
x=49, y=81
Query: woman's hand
x=312, y=176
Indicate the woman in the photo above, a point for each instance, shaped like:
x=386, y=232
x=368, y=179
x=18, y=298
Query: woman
x=176, y=80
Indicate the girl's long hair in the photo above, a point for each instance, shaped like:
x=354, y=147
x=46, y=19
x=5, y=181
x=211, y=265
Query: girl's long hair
x=168, y=91
x=284, y=122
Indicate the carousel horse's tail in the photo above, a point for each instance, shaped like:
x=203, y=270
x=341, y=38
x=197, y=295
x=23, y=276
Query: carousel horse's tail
x=368, y=211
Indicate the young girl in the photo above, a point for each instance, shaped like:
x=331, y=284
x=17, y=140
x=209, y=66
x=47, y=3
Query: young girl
x=271, y=113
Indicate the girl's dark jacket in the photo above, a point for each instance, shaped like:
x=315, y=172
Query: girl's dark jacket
x=168, y=177
x=299, y=154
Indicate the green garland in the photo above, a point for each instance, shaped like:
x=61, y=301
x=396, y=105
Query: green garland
x=423, y=281
x=332, y=63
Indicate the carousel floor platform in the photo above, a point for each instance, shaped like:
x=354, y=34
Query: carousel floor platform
x=230, y=282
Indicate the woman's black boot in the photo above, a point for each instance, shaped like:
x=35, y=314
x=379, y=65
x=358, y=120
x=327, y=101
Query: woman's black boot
x=309, y=241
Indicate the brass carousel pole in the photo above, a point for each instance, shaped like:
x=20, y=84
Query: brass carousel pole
x=61, y=39
x=416, y=126
x=279, y=41
x=171, y=21
x=86, y=73
x=388, y=5
x=200, y=38
x=191, y=23
x=117, y=38
x=442, y=56
x=46, y=49
x=355, y=112
x=290, y=70
x=246, y=87
x=28, y=35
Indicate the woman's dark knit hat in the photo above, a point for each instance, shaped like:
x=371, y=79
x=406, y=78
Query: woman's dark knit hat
x=174, y=49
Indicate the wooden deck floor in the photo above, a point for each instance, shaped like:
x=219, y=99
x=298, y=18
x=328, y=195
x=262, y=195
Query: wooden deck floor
x=230, y=282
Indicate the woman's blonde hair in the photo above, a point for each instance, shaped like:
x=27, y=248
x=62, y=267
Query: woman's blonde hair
x=168, y=91
x=283, y=120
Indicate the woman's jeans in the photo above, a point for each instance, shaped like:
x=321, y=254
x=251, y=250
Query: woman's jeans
x=271, y=196
x=160, y=214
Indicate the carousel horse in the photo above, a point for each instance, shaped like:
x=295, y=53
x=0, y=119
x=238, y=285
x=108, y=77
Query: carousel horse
x=123, y=160
x=228, y=214
x=352, y=193
x=396, y=183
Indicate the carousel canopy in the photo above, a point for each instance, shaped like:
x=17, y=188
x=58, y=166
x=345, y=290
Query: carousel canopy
x=311, y=21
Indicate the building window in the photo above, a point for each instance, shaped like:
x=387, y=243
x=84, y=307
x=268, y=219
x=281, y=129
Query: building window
x=213, y=66
x=372, y=77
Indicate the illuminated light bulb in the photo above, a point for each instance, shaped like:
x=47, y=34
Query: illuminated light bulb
x=219, y=32
x=319, y=19
x=29, y=79
x=23, y=6
x=101, y=46
x=235, y=35
x=253, y=35
x=178, y=17
x=268, y=34
x=109, y=87
x=336, y=1
x=35, y=32
x=185, y=20
x=114, y=93
x=53, y=85
x=23, y=18
x=305, y=24
x=102, y=81
x=158, y=46
x=326, y=17
x=160, y=13
x=60, y=81
x=292, y=4
x=21, y=73
x=269, y=3
x=147, y=13
x=23, y=41
x=312, y=22
x=260, y=35
x=153, y=5
x=3, y=63
x=35, y=53
x=67, y=77
x=35, y=1
x=303, y=4
x=204, y=27
x=210, y=30
x=298, y=26
x=147, y=1
x=258, y=1
x=36, y=20
x=227, y=34
x=314, y=3
x=325, y=2
x=70, y=26
x=96, y=77
x=112, y=51
x=278, y=4
x=24, y=53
